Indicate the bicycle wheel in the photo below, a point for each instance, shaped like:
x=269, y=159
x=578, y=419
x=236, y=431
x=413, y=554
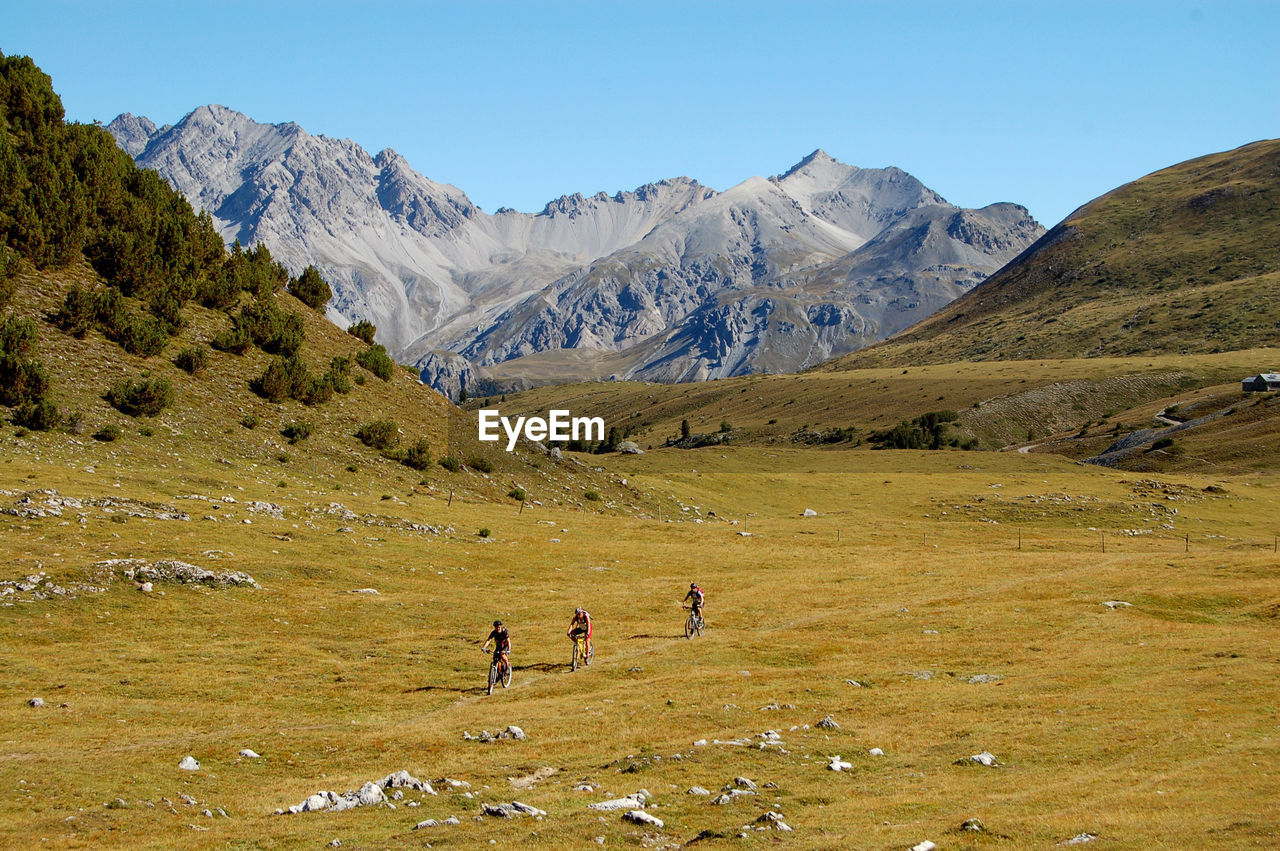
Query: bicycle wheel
x=591, y=654
x=689, y=626
x=506, y=676
x=573, y=665
x=493, y=675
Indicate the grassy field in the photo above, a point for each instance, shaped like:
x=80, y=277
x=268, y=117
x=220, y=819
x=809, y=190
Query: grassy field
x=1149, y=725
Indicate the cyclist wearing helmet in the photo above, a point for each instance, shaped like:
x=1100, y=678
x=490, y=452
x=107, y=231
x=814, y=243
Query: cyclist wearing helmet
x=501, y=643
x=695, y=594
x=581, y=625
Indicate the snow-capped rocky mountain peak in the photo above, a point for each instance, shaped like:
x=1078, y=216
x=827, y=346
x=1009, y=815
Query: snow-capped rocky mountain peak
x=671, y=280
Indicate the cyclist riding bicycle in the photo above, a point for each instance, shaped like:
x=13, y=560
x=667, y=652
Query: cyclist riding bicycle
x=581, y=625
x=695, y=594
x=501, y=643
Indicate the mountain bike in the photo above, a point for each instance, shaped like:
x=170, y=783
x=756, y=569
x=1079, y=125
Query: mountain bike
x=694, y=625
x=582, y=654
x=499, y=672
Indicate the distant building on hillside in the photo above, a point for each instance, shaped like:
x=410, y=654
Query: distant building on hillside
x=1261, y=383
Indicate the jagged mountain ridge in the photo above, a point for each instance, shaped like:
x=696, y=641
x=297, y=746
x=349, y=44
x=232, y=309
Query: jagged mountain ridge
x=752, y=281
x=673, y=281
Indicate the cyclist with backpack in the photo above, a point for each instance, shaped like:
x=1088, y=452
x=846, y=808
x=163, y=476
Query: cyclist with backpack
x=695, y=594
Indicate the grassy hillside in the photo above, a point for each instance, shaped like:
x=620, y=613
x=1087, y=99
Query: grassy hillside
x=1183, y=260
x=219, y=433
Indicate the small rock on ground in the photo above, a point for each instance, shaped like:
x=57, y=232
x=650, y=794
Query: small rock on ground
x=641, y=817
x=189, y=763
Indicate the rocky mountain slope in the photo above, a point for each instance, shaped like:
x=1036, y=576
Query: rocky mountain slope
x=673, y=281
x=1186, y=259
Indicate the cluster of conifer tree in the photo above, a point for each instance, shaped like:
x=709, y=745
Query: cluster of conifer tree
x=67, y=192
x=927, y=431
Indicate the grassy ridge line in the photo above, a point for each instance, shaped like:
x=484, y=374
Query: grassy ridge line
x=335, y=688
x=1011, y=397
x=1182, y=260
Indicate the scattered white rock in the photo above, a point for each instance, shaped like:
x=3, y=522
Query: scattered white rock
x=875, y=752
x=837, y=764
x=268, y=508
x=404, y=780
x=631, y=802
x=36, y=702
x=701, y=743
x=979, y=679
x=641, y=817
x=927, y=845
x=983, y=758
x=744, y=783
x=774, y=820
x=189, y=764
x=697, y=790
x=1116, y=604
x=369, y=794
x=511, y=810
x=365, y=591
x=146, y=588
x=809, y=512
x=1080, y=839
x=730, y=796
x=249, y=754
x=828, y=723
x=511, y=732
x=972, y=825
x=336, y=843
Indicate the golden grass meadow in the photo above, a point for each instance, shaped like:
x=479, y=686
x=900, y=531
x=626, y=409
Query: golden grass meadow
x=1148, y=725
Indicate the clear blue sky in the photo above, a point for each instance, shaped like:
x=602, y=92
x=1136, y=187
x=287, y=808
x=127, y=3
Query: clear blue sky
x=1046, y=104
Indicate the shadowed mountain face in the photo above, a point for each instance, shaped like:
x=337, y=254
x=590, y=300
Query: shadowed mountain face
x=673, y=281
x=1186, y=259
